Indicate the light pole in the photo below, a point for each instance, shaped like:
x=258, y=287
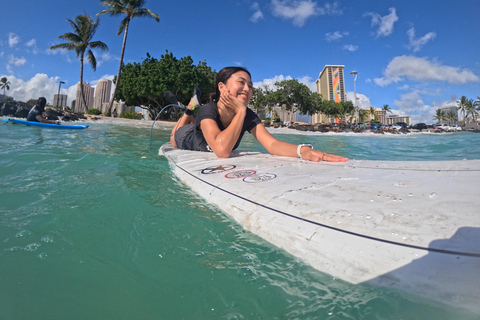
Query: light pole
x=58, y=95
x=354, y=73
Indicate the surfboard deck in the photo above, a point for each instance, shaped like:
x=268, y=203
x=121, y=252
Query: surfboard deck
x=413, y=226
x=47, y=125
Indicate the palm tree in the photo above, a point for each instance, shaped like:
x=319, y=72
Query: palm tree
x=451, y=116
x=362, y=114
x=80, y=40
x=439, y=115
x=132, y=9
x=386, y=108
x=372, y=112
x=4, y=84
x=461, y=104
x=471, y=108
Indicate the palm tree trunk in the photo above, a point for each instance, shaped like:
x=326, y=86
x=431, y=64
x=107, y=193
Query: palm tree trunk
x=81, y=82
x=110, y=105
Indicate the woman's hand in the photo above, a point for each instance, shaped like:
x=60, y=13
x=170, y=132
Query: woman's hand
x=230, y=102
x=316, y=156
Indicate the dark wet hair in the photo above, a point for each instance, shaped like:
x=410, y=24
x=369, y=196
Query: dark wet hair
x=42, y=102
x=223, y=76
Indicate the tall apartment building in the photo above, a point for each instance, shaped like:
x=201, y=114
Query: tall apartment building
x=80, y=104
x=331, y=85
x=102, y=94
x=60, y=100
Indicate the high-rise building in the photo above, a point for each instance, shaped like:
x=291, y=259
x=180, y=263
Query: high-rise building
x=88, y=91
x=60, y=100
x=102, y=94
x=331, y=85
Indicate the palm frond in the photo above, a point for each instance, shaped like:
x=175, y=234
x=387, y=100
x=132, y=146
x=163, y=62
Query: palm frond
x=122, y=25
x=98, y=44
x=91, y=59
x=143, y=12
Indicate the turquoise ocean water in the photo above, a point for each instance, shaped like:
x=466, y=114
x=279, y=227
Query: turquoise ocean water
x=91, y=230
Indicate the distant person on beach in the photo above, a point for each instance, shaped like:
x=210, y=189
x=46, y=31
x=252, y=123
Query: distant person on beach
x=220, y=124
x=36, y=113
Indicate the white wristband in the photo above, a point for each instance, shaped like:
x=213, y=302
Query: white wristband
x=300, y=147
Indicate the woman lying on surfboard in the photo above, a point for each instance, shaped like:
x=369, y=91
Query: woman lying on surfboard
x=220, y=124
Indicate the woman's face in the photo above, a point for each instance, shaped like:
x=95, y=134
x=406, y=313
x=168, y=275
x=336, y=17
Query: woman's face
x=240, y=86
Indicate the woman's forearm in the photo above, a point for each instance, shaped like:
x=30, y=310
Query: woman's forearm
x=225, y=140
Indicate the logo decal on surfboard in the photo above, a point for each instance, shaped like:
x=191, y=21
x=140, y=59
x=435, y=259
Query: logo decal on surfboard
x=218, y=169
x=261, y=177
x=240, y=174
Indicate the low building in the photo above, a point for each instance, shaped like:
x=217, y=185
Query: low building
x=392, y=119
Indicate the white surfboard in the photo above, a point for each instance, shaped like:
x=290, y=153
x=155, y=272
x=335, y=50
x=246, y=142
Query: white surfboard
x=413, y=226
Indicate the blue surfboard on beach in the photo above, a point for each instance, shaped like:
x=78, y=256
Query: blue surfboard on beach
x=47, y=125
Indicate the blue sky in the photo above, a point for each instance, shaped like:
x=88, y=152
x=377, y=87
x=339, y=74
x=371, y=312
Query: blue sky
x=414, y=56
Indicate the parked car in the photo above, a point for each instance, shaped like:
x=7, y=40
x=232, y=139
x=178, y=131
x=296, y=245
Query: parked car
x=374, y=126
x=396, y=127
x=442, y=126
x=359, y=125
x=456, y=127
x=419, y=126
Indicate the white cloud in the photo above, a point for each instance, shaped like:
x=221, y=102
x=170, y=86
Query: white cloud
x=363, y=102
x=16, y=61
x=270, y=83
x=421, y=69
x=335, y=36
x=257, y=14
x=31, y=43
x=300, y=10
x=385, y=23
x=413, y=105
x=416, y=44
x=105, y=57
x=41, y=85
x=350, y=47
x=13, y=40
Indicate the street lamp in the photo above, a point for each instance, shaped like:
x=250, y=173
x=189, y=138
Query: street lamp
x=354, y=73
x=58, y=95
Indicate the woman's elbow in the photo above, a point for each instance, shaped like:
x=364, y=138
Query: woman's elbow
x=222, y=154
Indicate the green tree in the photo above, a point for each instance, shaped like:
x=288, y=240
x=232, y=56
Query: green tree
x=439, y=115
x=372, y=113
x=143, y=84
x=462, y=105
x=258, y=101
x=4, y=84
x=80, y=40
x=132, y=9
x=293, y=96
x=386, y=108
x=451, y=116
x=471, y=109
x=363, y=114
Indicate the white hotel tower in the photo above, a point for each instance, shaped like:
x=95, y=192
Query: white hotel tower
x=102, y=93
x=88, y=91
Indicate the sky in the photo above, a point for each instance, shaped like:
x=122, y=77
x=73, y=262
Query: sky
x=415, y=56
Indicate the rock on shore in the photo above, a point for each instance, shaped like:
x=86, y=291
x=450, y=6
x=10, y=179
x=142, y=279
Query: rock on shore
x=18, y=109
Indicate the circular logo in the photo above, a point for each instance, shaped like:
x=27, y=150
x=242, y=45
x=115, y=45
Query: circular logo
x=262, y=177
x=240, y=174
x=218, y=169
